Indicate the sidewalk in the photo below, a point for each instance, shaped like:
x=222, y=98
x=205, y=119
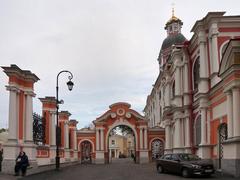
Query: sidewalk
x=8, y=177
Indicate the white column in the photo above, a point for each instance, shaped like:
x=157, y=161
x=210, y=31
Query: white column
x=53, y=129
x=12, y=121
x=177, y=81
x=141, y=138
x=145, y=138
x=208, y=127
x=168, y=136
x=203, y=125
x=214, y=59
x=102, y=139
x=97, y=139
x=66, y=133
x=29, y=117
x=186, y=78
x=187, y=132
x=236, y=112
x=75, y=139
x=177, y=134
x=202, y=60
x=167, y=95
x=230, y=113
x=203, y=83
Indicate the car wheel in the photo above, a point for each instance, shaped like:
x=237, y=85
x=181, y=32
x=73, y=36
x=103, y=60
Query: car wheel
x=160, y=169
x=185, y=173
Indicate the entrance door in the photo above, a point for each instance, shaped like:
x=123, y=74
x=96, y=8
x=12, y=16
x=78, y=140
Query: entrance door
x=86, y=152
x=157, y=149
x=222, y=136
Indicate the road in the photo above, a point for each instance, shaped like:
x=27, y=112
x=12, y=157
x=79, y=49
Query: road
x=122, y=169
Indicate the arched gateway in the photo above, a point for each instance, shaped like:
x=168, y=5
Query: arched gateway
x=119, y=114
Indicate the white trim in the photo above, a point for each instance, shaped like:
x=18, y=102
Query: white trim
x=220, y=50
x=193, y=64
x=121, y=122
x=93, y=147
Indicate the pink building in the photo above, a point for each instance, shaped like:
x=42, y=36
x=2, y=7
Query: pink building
x=197, y=92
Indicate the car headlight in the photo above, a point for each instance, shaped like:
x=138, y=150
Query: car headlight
x=195, y=166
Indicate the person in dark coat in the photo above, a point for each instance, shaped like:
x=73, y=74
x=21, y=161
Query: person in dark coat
x=1, y=158
x=21, y=163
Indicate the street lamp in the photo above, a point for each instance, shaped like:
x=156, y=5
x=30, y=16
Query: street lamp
x=70, y=87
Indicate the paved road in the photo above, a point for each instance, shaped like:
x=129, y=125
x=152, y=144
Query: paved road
x=118, y=170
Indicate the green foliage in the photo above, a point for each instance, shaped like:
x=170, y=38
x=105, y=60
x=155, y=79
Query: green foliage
x=2, y=130
x=122, y=130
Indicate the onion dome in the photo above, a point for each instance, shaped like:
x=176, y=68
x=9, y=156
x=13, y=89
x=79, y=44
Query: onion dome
x=174, y=37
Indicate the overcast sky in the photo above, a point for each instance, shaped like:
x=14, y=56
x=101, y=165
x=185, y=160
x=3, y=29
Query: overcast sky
x=111, y=47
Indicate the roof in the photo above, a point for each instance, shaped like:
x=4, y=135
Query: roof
x=173, y=40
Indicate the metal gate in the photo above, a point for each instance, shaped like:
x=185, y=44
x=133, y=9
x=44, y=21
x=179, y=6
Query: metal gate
x=39, y=124
x=157, y=149
x=222, y=136
x=86, y=152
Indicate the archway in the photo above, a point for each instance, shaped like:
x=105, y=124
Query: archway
x=121, y=144
x=157, y=148
x=86, y=150
x=222, y=136
x=120, y=114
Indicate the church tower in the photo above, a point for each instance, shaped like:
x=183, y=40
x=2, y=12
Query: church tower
x=174, y=37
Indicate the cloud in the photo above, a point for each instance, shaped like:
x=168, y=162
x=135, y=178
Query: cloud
x=111, y=47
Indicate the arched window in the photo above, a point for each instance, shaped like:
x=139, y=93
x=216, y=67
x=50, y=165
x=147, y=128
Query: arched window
x=197, y=131
x=196, y=74
x=223, y=49
x=173, y=89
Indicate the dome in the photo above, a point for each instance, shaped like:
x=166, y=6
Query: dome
x=173, y=39
x=173, y=19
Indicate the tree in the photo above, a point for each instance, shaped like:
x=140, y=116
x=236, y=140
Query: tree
x=2, y=130
x=122, y=130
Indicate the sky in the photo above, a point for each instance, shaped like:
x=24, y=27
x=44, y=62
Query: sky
x=110, y=46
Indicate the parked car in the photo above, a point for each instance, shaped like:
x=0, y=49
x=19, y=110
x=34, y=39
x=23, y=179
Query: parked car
x=184, y=164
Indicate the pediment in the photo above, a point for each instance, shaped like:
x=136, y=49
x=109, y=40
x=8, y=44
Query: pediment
x=120, y=110
x=231, y=58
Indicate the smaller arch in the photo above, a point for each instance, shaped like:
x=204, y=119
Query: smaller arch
x=173, y=89
x=222, y=136
x=156, y=138
x=79, y=144
x=197, y=118
x=196, y=73
x=156, y=153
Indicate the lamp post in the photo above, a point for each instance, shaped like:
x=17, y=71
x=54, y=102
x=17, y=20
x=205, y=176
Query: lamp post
x=70, y=86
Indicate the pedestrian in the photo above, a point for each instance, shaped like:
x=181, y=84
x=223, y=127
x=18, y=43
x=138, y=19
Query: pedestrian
x=21, y=164
x=1, y=157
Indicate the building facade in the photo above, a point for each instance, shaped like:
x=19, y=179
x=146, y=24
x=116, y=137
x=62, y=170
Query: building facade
x=196, y=94
x=36, y=134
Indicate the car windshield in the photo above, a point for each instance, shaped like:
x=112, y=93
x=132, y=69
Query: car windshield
x=188, y=157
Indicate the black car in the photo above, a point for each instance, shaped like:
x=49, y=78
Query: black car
x=184, y=164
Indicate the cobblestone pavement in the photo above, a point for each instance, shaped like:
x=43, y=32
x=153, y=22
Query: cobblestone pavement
x=118, y=170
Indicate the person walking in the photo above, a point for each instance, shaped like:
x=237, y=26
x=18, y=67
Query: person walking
x=21, y=164
x=1, y=157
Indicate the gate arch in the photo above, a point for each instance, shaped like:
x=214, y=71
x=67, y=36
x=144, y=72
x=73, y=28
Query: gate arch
x=120, y=114
x=124, y=123
x=222, y=136
x=156, y=145
x=86, y=148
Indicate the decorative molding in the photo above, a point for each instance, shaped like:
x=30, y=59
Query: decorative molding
x=128, y=115
x=120, y=111
x=113, y=115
